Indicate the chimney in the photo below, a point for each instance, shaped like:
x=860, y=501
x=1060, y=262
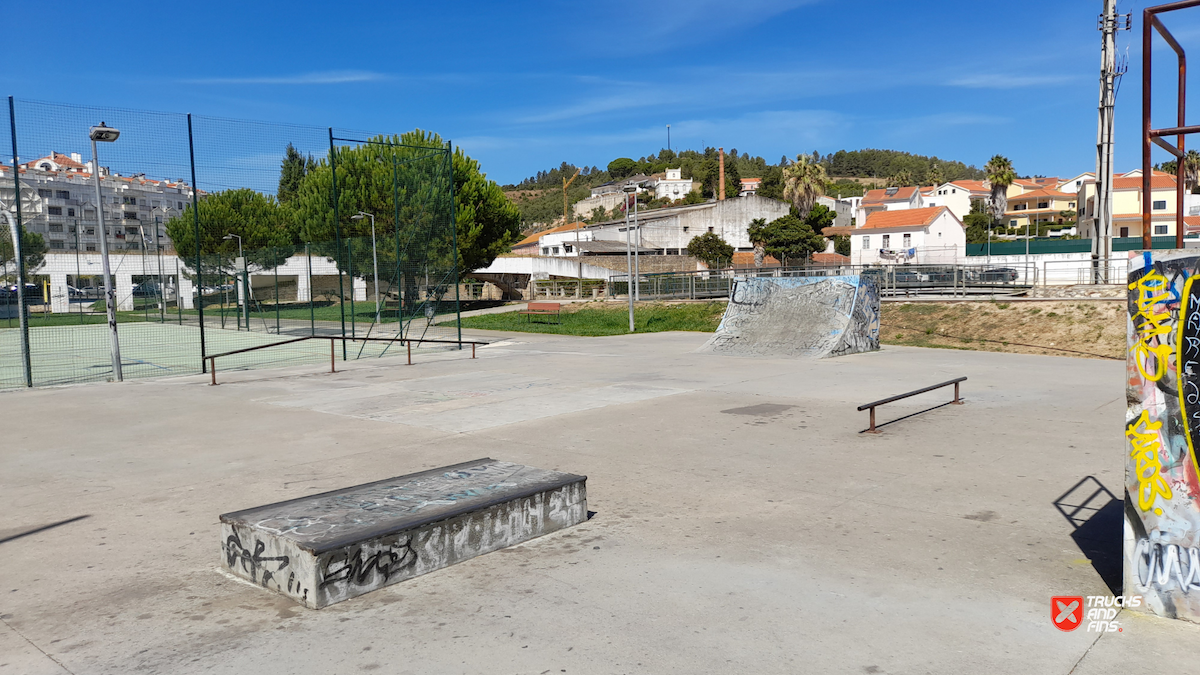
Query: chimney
x=721, y=174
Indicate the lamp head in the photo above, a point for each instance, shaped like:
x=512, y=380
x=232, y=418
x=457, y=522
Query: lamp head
x=227, y=237
x=103, y=133
x=357, y=216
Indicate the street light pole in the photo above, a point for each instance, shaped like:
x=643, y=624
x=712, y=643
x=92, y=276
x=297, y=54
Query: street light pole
x=374, y=258
x=628, y=258
x=106, y=135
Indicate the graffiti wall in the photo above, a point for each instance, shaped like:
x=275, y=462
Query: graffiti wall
x=799, y=316
x=1162, y=434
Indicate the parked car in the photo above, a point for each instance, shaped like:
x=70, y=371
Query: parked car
x=1001, y=274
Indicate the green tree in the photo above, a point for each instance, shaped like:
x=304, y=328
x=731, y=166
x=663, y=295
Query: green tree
x=710, y=176
x=841, y=244
x=370, y=177
x=693, y=197
x=621, y=167
x=1001, y=175
x=1191, y=170
x=771, y=186
x=268, y=233
x=789, y=239
x=710, y=249
x=902, y=178
x=803, y=182
x=935, y=175
x=33, y=249
x=291, y=171
x=757, y=232
x=819, y=218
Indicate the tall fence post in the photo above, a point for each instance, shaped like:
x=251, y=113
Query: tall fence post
x=337, y=231
x=18, y=232
x=454, y=234
x=196, y=222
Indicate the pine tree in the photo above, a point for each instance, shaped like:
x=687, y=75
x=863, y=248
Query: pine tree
x=291, y=171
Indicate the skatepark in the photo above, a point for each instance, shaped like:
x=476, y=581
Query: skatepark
x=739, y=519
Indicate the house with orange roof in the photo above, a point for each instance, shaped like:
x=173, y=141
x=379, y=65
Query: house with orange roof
x=958, y=196
x=1040, y=206
x=887, y=199
x=1127, y=206
x=924, y=235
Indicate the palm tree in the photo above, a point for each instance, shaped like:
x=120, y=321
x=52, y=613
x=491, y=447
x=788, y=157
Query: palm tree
x=902, y=178
x=1000, y=174
x=1191, y=170
x=803, y=181
x=935, y=175
x=756, y=231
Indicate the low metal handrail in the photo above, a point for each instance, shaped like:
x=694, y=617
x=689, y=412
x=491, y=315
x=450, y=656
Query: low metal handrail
x=890, y=399
x=212, y=358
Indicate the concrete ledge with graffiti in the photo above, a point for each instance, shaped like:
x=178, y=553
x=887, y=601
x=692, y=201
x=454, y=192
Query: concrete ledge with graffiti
x=1162, y=431
x=799, y=317
x=330, y=547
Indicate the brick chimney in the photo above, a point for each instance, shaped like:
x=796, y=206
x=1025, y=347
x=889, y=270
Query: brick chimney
x=721, y=152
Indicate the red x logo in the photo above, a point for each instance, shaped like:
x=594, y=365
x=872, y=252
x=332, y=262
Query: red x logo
x=1066, y=611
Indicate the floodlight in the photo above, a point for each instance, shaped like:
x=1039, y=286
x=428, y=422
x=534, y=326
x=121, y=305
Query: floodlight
x=103, y=133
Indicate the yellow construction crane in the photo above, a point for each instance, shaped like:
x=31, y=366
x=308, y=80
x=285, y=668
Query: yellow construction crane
x=567, y=184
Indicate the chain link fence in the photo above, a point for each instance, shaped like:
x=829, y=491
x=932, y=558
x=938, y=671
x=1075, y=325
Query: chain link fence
x=220, y=235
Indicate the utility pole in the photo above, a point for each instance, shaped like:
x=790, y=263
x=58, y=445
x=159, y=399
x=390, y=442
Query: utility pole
x=566, y=220
x=1110, y=75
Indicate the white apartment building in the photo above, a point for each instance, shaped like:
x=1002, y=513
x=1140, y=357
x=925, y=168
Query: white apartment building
x=58, y=201
x=924, y=235
x=673, y=186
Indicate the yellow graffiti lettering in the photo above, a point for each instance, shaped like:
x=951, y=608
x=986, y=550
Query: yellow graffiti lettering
x=1147, y=455
x=1151, y=326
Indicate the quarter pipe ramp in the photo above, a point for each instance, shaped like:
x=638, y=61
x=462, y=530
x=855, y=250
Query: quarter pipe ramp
x=810, y=317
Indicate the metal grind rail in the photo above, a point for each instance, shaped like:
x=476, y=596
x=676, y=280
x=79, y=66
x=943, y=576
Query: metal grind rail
x=872, y=405
x=212, y=358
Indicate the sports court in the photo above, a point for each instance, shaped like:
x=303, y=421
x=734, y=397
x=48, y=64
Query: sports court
x=742, y=523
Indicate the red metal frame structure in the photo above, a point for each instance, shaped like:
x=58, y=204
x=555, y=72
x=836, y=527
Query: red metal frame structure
x=1150, y=20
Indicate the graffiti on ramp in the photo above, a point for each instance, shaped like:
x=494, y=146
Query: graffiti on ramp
x=799, y=317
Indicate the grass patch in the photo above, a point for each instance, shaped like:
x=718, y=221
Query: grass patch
x=596, y=319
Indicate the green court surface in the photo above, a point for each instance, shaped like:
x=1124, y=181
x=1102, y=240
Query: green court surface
x=81, y=353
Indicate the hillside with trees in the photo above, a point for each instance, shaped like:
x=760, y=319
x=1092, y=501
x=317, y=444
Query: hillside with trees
x=851, y=172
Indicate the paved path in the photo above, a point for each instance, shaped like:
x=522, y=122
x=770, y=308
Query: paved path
x=742, y=523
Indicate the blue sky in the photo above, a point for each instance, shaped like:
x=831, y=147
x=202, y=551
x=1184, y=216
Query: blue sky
x=524, y=86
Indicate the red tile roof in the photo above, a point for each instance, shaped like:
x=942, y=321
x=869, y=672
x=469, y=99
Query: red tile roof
x=902, y=218
x=972, y=185
x=1044, y=192
x=879, y=196
x=831, y=258
x=1158, y=181
x=746, y=259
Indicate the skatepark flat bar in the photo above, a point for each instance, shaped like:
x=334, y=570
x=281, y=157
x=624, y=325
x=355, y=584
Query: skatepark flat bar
x=212, y=358
x=872, y=404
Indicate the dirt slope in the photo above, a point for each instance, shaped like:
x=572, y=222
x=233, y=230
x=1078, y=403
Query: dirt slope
x=1080, y=329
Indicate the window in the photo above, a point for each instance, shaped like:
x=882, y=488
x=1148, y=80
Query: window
x=1160, y=229
x=131, y=230
x=71, y=212
x=566, y=248
x=555, y=250
x=130, y=215
x=545, y=250
x=887, y=238
x=180, y=206
x=56, y=227
x=90, y=230
x=129, y=200
x=1160, y=205
x=685, y=229
x=1124, y=232
x=62, y=194
x=56, y=244
x=710, y=229
x=156, y=204
x=1043, y=205
x=90, y=247
x=56, y=210
x=1070, y=205
x=1012, y=223
x=907, y=240
x=866, y=241
x=1020, y=207
x=45, y=193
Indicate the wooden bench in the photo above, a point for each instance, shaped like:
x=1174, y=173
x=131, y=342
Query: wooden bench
x=544, y=309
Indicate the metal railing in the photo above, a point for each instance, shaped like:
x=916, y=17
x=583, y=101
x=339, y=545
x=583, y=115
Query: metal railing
x=893, y=280
x=873, y=404
x=212, y=358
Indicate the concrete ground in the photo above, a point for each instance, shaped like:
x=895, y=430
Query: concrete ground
x=742, y=523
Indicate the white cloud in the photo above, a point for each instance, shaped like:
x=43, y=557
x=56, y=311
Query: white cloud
x=325, y=77
x=1004, y=81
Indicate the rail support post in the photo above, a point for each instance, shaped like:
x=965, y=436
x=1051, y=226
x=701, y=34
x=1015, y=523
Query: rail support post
x=410, y=352
x=332, y=357
x=957, y=400
x=212, y=368
x=472, y=350
x=872, y=429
